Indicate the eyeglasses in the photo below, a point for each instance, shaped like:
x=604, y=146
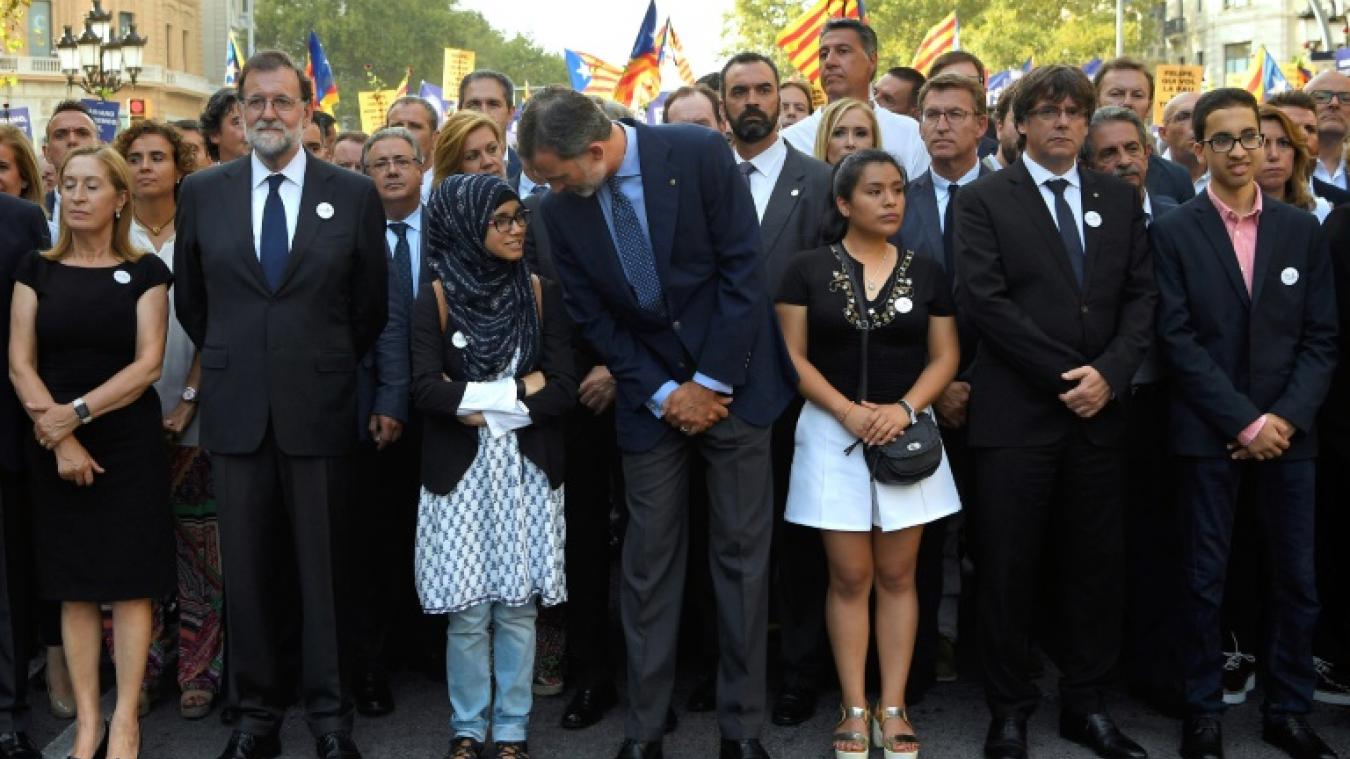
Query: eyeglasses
x=955, y=116
x=1050, y=114
x=503, y=222
x=399, y=162
x=1324, y=97
x=282, y=105
x=1224, y=142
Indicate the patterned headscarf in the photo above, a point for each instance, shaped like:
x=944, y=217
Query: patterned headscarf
x=490, y=301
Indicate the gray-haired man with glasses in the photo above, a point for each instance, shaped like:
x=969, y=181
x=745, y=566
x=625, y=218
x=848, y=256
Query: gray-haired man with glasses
x=1330, y=90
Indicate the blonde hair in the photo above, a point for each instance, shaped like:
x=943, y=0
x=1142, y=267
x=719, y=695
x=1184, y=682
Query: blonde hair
x=25, y=160
x=833, y=114
x=448, y=154
x=1296, y=191
x=120, y=176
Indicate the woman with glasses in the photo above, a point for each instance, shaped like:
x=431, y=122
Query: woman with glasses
x=846, y=126
x=493, y=376
x=1284, y=166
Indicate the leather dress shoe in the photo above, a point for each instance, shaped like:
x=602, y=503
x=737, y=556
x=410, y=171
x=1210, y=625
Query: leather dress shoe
x=336, y=745
x=372, y=695
x=793, y=706
x=18, y=746
x=748, y=749
x=1202, y=737
x=1099, y=733
x=588, y=706
x=632, y=749
x=1006, y=739
x=703, y=698
x=244, y=745
x=1292, y=734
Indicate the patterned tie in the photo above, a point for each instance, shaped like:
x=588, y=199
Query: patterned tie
x=635, y=251
x=1068, y=227
x=402, y=258
x=948, y=228
x=273, y=243
x=747, y=169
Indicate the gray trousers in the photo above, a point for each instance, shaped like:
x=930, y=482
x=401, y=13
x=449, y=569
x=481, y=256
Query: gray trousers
x=655, y=551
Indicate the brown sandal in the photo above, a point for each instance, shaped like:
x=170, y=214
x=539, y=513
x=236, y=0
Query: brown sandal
x=512, y=750
x=464, y=747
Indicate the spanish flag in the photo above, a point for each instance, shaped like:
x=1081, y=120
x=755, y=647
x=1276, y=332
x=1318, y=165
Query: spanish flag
x=801, y=39
x=641, y=80
x=943, y=37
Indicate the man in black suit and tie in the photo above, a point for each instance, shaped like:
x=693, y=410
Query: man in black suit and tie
x=23, y=229
x=1053, y=271
x=1247, y=323
x=657, y=246
x=282, y=284
x=791, y=192
x=1128, y=83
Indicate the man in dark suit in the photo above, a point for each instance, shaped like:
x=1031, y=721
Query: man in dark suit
x=1053, y=271
x=791, y=192
x=493, y=94
x=1128, y=83
x=1247, y=323
x=655, y=241
x=23, y=230
x=71, y=126
x=281, y=317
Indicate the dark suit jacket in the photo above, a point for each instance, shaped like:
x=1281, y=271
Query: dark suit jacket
x=796, y=211
x=719, y=319
x=1169, y=178
x=1335, y=416
x=449, y=447
x=23, y=229
x=1016, y=286
x=988, y=145
x=1231, y=356
x=286, y=359
x=1333, y=194
x=538, y=248
x=1161, y=205
x=384, y=378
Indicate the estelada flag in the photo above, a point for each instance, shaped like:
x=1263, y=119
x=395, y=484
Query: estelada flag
x=319, y=72
x=800, y=40
x=1264, y=76
x=641, y=80
x=943, y=37
x=591, y=75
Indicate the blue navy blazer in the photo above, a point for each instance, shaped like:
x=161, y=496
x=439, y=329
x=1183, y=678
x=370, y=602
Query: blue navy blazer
x=384, y=376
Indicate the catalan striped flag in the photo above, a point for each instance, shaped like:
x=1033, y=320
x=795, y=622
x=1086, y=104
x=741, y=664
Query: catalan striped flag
x=943, y=37
x=234, y=60
x=1264, y=76
x=641, y=80
x=800, y=40
x=590, y=75
x=404, y=87
x=319, y=72
x=677, y=56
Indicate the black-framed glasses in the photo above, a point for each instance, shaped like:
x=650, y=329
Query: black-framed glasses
x=1324, y=97
x=503, y=221
x=1223, y=142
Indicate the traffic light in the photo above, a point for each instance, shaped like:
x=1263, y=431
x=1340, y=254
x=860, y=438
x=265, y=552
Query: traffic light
x=138, y=109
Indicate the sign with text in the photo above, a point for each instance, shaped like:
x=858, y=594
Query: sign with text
x=18, y=117
x=1170, y=80
x=374, y=107
x=458, y=64
x=105, y=114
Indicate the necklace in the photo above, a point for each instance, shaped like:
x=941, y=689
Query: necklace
x=154, y=230
x=872, y=284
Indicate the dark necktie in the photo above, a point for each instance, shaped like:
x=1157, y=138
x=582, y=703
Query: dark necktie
x=948, y=230
x=538, y=189
x=747, y=169
x=1068, y=227
x=635, y=251
x=273, y=242
x=402, y=258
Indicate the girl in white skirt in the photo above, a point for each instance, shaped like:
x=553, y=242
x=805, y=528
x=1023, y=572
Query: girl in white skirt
x=870, y=530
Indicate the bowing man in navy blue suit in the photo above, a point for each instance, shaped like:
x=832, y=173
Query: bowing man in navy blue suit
x=657, y=244
x=1247, y=321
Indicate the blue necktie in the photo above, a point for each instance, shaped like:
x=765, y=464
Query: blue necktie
x=1068, y=227
x=538, y=189
x=402, y=258
x=635, y=251
x=273, y=243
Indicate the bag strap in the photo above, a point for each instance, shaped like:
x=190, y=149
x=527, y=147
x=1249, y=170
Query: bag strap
x=442, y=310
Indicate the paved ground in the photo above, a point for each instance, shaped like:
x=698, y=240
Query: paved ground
x=951, y=722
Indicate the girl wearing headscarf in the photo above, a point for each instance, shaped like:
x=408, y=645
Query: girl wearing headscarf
x=493, y=376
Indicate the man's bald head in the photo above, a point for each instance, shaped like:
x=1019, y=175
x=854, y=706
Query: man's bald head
x=1330, y=90
x=1185, y=100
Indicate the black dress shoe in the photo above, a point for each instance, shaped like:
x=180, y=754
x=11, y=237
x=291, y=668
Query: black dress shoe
x=672, y=721
x=336, y=745
x=587, y=707
x=1292, y=734
x=1099, y=733
x=794, y=706
x=229, y=714
x=372, y=695
x=1202, y=737
x=703, y=698
x=18, y=746
x=244, y=745
x=1006, y=739
x=742, y=750
x=632, y=749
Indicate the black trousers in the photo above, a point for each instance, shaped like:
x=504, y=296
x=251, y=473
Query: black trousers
x=591, y=478
x=16, y=601
x=1058, y=504
x=1333, y=561
x=281, y=514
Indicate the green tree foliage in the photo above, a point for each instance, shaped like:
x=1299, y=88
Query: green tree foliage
x=384, y=37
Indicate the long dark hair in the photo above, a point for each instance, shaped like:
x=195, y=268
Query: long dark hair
x=847, y=173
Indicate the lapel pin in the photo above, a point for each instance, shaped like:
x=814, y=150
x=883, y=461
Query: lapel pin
x=1095, y=195
x=122, y=278
x=904, y=305
x=1092, y=219
x=794, y=192
x=1289, y=276
x=672, y=181
x=459, y=340
x=324, y=210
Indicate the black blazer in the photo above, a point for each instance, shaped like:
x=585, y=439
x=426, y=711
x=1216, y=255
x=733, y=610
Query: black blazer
x=448, y=447
x=23, y=229
x=1233, y=357
x=1017, y=288
x=796, y=212
x=1334, y=419
x=286, y=359
x=1330, y=192
x=1169, y=178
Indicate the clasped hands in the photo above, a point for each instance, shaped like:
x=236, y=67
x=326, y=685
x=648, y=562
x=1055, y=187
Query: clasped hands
x=534, y=382
x=1089, y=395
x=1271, y=442
x=692, y=408
x=875, y=424
x=52, y=429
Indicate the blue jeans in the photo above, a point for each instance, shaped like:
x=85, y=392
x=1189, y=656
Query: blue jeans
x=468, y=658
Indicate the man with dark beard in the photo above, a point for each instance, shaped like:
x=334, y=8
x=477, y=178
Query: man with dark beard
x=791, y=192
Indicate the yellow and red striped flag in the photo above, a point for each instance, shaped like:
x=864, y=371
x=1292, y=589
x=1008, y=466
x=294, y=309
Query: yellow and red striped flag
x=591, y=75
x=641, y=80
x=943, y=37
x=801, y=39
x=677, y=55
x=404, y=88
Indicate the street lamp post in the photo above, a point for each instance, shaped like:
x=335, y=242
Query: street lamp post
x=98, y=57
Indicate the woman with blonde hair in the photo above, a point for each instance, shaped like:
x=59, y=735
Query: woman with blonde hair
x=846, y=126
x=468, y=143
x=1285, y=164
x=87, y=329
x=19, y=173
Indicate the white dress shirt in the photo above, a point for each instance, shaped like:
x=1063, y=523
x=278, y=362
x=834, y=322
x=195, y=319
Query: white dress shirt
x=427, y=175
x=1073, y=194
x=1148, y=211
x=54, y=223
x=942, y=191
x=414, y=235
x=899, y=137
x=1337, y=178
x=290, y=192
x=768, y=165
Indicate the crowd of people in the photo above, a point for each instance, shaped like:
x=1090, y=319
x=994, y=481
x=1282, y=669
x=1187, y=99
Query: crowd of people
x=295, y=407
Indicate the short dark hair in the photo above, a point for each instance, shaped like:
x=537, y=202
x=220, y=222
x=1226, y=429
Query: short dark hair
x=953, y=57
x=1004, y=103
x=845, y=180
x=562, y=121
x=907, y=74
x=72, y=105
x=358, y=137
x=416, y=100
x=221, y=103
x=712, y=81
x=187, y=125
x=1217, y=100
x=1105, y=115
x=866, y=34
x=275, y=60
x=688, y=91
x=956, y=82
x=740, y=59
x=326, y=123
x=1053, y=83
x=502, y=80
x=1123, y=63
x=1292, y=99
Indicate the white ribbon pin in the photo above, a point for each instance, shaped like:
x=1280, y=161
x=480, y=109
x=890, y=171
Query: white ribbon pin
x=459, y=340
x=1092, y=219
x=121, y=277
x=1289, y=276
x=324, y=210
x=904, y=305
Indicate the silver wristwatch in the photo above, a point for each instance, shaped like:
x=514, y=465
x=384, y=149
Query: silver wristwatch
x=189, y=394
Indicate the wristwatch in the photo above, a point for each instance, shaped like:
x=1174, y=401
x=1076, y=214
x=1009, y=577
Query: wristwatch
x=82, y=411
x=189, y=394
